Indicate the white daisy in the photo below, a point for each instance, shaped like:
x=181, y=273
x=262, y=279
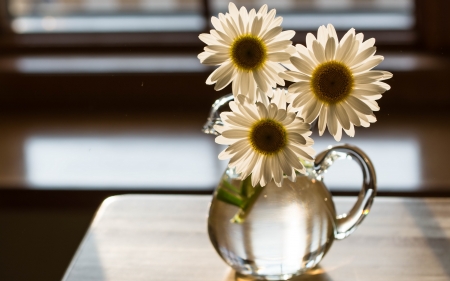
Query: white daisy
x=334, y=81
x=248, y=46
x=265, y=141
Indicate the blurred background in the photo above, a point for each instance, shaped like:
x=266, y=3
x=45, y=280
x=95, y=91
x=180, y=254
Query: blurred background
x=105, y=97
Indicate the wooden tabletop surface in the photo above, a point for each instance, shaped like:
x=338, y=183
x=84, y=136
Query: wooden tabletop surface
x=164, y=237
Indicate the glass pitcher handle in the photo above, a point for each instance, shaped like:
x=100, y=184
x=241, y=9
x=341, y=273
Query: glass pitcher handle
x=347, y=223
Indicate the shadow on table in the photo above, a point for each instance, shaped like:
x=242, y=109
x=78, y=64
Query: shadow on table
x=316, y=274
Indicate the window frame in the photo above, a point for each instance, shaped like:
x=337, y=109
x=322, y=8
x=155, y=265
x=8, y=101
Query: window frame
x=11, y=42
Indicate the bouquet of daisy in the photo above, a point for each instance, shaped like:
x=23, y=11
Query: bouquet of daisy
x=268, y=128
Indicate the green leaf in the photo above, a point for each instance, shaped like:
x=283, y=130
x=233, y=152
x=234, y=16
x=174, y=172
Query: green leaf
x=247, y=206
x=247, y=188
x=227, y=197
x=230, y=187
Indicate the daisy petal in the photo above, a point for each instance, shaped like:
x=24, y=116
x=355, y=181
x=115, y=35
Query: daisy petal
x=373, y=105
x=350, y=55
x=267, y=170
x=277, y=172
x=369, y=64
x=256, y=26
x=245, y=82
x=319, y=52
x=224, y=69
x=338, y=135
x=272, y=111
x=332, y=120
x=302, y=99
x=350, y=132
x=208, y=39
x=299, y=87
x=235, y=134
x=224, y=81
x=285, y=76
x=279, y=56
x=374, y=87
x=275, y=31
x=322, y=120
x=299, y=151
x=292, y=159
x=285, y=35
x=260, y=81
x=236, y=83
x=367, y=44
x=294, y=137
x=262, y=110
x=322, y=35
x=287, y=170
x=215, y=59
x=278, y=46
x=234, y=12
x=354, y=119
x=309, y=40
x=364, y=55
x=359, y=37
x=251, y=88
x=217, y=24
x=344, y=47
x=298, y=75
x=330, y=49
x=263, y=9
x=383, y=85
x=243, y=19
x=220, y=35
x=256, y=173
x=342, y=117
x=359, y=105
x=216, y=49
x=223, y=140
x=290, y=117
x=332, y=33
x=313, y=111
x=301, y=65
x=366, y=95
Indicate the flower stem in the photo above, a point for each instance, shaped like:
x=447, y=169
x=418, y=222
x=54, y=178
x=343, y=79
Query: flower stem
x=243, y=197
x=247, y=205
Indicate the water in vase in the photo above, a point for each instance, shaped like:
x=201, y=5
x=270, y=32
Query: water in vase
x=286, y=231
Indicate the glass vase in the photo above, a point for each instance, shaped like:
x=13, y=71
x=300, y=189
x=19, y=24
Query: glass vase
x=275, y=233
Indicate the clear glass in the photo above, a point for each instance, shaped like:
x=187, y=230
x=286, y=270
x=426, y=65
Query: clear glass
x=275, y=233
x=287, y=231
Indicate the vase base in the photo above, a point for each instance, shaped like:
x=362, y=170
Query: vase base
x=282, y=277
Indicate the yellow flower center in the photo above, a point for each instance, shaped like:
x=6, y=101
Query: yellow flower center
x=268, y=136
x=248, y=52
x=332, y=82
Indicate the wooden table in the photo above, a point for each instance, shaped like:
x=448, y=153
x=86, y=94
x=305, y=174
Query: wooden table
x=155, y=237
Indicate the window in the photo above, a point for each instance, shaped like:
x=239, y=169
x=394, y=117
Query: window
x=343, y=14
x=96, y=56
x=192, y=16
x=177, y=15
x=66, y=16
